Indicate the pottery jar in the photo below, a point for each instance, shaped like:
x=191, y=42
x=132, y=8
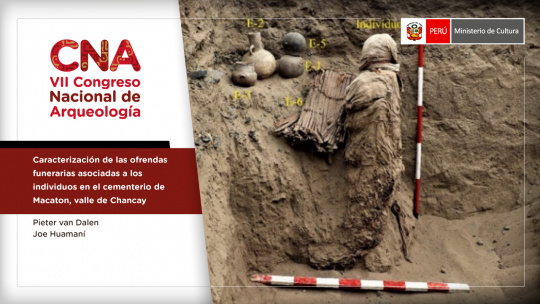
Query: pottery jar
x=244, y=74
x=291, y=66
x=294, y=44
x=264, y=61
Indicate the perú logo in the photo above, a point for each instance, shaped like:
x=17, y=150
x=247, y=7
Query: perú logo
x=414, y=31
x=102, y=60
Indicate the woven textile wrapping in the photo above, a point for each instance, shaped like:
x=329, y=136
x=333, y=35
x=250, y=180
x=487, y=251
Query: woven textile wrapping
x=380, y=47
x=373, y=149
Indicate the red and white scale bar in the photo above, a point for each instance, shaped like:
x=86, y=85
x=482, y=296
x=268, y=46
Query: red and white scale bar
x=419, y=129
x=358, y=284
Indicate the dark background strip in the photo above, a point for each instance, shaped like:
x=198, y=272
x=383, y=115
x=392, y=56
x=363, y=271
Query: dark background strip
x=85, y=144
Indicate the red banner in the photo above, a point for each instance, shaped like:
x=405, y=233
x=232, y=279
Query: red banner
x=99, y=181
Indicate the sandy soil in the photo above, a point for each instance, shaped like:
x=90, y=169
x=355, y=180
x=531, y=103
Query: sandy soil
x=269, y=207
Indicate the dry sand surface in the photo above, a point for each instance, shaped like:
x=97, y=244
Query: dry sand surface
x=272, y=208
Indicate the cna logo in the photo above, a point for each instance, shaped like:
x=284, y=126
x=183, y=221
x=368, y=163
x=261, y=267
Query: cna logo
x=414, y=31
x=102, y=59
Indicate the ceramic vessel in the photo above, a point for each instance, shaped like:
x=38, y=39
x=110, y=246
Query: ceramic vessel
x=244, y=74
x=264, y=61
x=294, y=44
x=291, y=66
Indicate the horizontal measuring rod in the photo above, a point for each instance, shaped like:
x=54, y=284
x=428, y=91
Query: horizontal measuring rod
x=277, y=280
